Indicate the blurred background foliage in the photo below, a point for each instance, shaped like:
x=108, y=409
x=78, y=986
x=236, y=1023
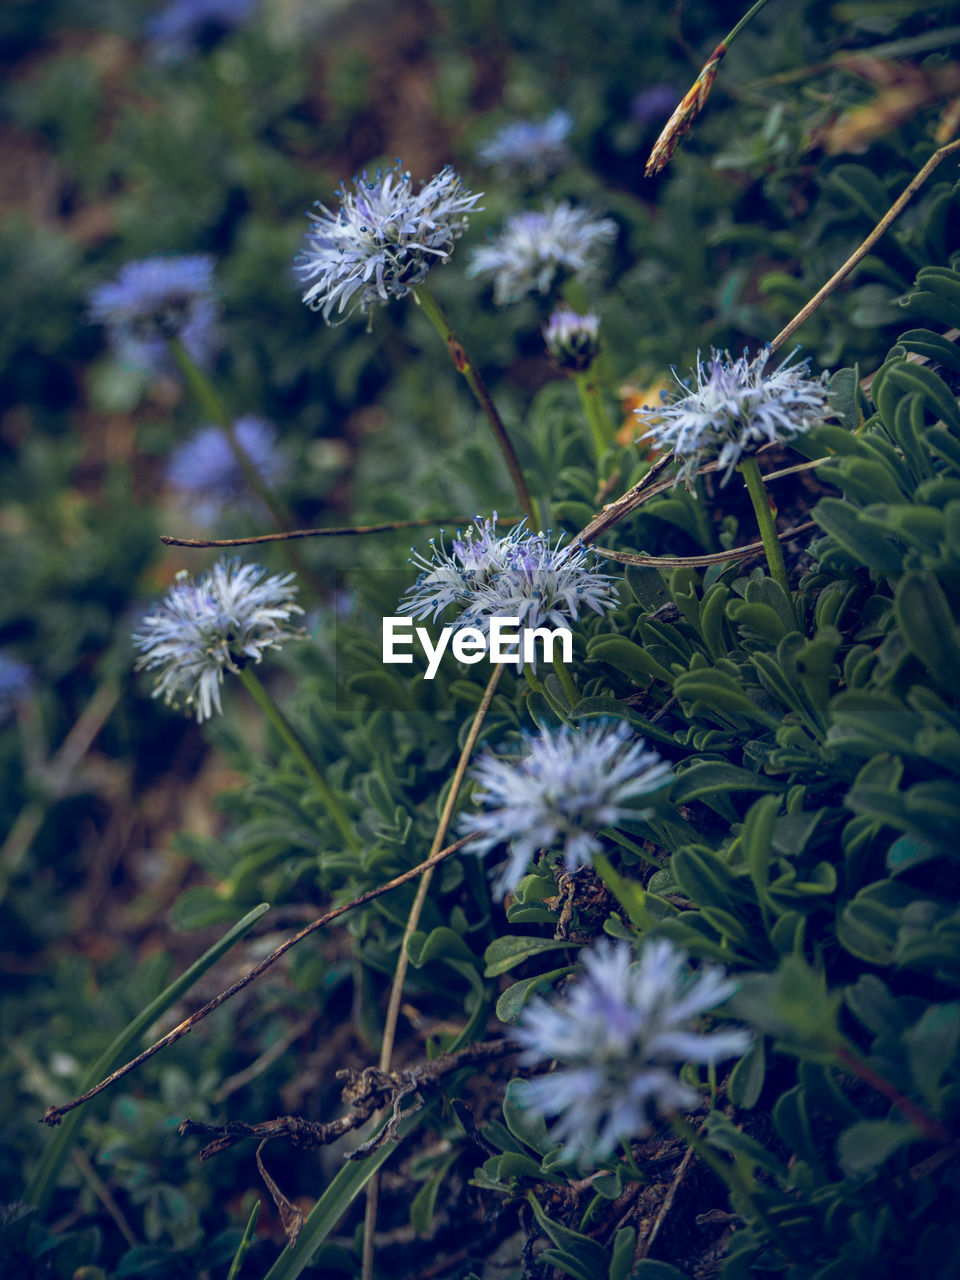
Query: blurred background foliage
x=133, y=838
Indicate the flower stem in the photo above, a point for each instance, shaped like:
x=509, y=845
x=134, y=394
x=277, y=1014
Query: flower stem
x=931, y=1128
x=213, y=407
x=567, y=682
x=595, y=410
x=533, y=680
x=475, y=382
x=750, y=470
x=396, y=990
x=283, y=726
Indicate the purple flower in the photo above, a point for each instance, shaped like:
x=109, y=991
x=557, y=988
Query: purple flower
x=382, y=241
x=185, y=25
x=154, y=300
x=216, y=623
x=205, y=469
x=512, y=575
x=566, y=786
x=534, y=147
x=534, y=248
x=620, y=1034
x=16, y=684
x=735, y=408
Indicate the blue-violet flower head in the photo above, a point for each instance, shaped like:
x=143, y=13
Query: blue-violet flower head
x=16, y=684
x=218, y=622
x=735, y=408
x=572, y=340
x=656, y=102
x=511, y=575
x=156, y=299
x=205, y=470
x=620, y=1033
x=382, y=240
x=565, y=786
x=534, y=249
x=183, y=26
x=537, y=148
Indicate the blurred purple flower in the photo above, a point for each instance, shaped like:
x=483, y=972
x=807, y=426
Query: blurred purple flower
x=183, y=26
x=206, y=472
x=537, y=148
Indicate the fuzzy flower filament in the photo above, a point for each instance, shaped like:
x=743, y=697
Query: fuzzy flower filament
x=735, y=407
x=512, y=575
x=620, y=1034
x=534, y=249
x=565, y=786
x=218, y=622
x=154, y=300
x=382, y=241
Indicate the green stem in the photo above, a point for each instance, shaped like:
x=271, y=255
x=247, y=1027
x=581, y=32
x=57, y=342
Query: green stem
x=475, y=382
x=595, y=411
x=212, y=406
x=567, y=682
x=283, y=726
x=750, y=470
x=747, y=17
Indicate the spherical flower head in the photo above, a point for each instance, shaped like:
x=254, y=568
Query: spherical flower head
x=16, y=685
x=620, y=1034
x=218, y=622
x=735, y=408
x=565, y=786
x=534, y=249
x=382, y=240
x=572, y=340
x=513, y=575
x=206, y=472
x=184, y=26
x=154, y=300
x=536, y=148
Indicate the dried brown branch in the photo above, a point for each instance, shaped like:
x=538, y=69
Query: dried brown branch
x=365, y=1091
x=714, y=557
x=54, y=1115
x=346, y=530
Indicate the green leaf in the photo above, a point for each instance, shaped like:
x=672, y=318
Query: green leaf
x=581, y=1247
x=621, y=1254
x=932, y=1047
x=868, y=1143
x=867, y=544
x=516, y=996
x=747, y=1077
x=653, y=1269
x=244, y=1246
x=627, y=657
x=843, y=397
x=507, y=952
x=44, y=1176
x=928, y=626
x=529, y=1127
x=199, y=907
x=715, y=777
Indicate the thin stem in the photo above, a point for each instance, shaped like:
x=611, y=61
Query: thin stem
x=396, y=990
x=213, y=407
x=747, y=17
x=595, y=411
x=750, y=470
x=567, y=682
x=464, y=365
x=283, y=726
x=855, y=258
x=931, y=1128
x=339, y=531
x=54, y=1115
